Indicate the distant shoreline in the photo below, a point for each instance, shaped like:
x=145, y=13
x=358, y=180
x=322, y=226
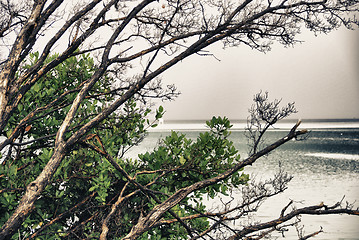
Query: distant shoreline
x=240, y=125
x=186, y=121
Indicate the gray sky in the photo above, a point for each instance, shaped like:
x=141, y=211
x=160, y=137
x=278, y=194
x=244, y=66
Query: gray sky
x=320, y=75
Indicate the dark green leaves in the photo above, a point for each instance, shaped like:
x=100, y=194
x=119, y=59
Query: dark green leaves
x=219, y=126
x=87, y=181
x=158, y=116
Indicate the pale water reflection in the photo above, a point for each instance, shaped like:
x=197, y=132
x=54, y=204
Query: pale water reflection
x=325, y=168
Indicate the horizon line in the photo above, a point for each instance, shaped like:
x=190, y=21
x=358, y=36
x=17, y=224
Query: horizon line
x=283, y=120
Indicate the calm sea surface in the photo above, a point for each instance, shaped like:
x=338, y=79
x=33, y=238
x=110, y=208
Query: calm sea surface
x=325, y=168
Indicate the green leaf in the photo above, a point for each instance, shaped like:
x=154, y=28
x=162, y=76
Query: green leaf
x=13, y=170
x=182, y=160
x=160, y=109
x=36, y=87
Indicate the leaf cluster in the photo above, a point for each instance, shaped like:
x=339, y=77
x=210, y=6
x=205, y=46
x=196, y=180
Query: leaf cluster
x=82, y=174
x=86, y=184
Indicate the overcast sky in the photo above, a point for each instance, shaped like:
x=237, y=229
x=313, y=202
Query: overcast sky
x=320, y=75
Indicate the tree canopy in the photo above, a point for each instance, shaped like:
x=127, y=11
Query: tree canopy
x=68, y=118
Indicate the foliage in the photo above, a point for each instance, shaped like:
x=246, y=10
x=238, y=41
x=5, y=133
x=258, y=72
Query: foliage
x=86, y=175
x=211, y=154
x=81, y=172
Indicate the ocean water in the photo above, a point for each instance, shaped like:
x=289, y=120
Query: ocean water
x=325, y=167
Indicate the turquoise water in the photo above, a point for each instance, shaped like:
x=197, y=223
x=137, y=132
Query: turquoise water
x=325, y=167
